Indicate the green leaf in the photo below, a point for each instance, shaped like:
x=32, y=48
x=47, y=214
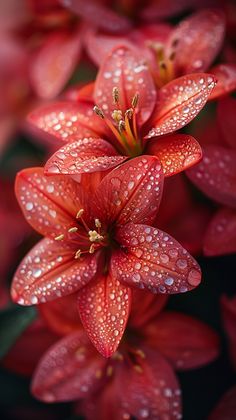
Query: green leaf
x=13, y=322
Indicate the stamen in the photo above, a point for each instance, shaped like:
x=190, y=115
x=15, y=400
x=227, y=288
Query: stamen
x=94, y=236
x=92, y=249
x=175, y=42
x=78, y=254
x=117, y=115
x=135, y=100
x=121, y=126
x=98, y=374
x=129, y=113
x=140, y=353
x=98, y=223
x=138, y=368
x=73, y=230
x=79, y=213
x=98, y=111
x=118, y=356
x=172, y=56
x=115, y=95
x=109, y=370
x=59, y=237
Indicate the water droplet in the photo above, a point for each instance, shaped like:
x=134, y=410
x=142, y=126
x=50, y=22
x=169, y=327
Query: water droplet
x=29, y=206
x=194, y=277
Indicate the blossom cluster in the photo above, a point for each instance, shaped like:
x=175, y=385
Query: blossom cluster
x=130, y=106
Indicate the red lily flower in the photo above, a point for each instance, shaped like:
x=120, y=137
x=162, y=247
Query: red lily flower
x=129, y=116
x=190, y=47
x=95, y=243
x=215, y=176
x=139, y=379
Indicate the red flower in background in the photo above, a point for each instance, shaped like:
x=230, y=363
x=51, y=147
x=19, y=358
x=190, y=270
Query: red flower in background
x=130, y=118
x=190, y=47
x=99, y=242
x=216, y=176
x=156, y=343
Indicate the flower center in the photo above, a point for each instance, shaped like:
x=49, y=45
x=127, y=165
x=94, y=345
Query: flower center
x=165, y=64
x=87, y=239
x=123, y=124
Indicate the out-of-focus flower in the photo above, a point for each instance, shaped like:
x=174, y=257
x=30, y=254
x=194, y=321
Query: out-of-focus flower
x=215, y=175
x=129, y=119
x=98, y=242
x=226, y=407
x=139, y=379
x=190, y=47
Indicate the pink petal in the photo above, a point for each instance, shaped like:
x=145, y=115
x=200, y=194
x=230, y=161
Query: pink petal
x=68, y=121
x=98, y=15
x=199, y=38
x=61, y=315
x=131, y=192
x=50, y=204
x=175, y=152
x=179, y=102
x=226, y=407
x=54, y=63
x=104, y=308
x=225, y=75
x=83, y=156
x=215, y=175
x=50, y=271
x=228, y=306
x=153, y=260
x=226, y=111
x=220, y=237
x=152, y=391
x=124, y=69
x=186, y=342
x=68, y=370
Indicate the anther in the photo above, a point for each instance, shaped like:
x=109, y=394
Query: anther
x=175, y=42
x=172, y=56
x=97, y=223
x=73, y=230
x=129, y=113
x=117, y=115
x=115, y=95
x=98, y=374
x=121, y=126
x=109, y=370
x=94, y=236
x=140, y=353
x=138, y=368
x=59, y=237
x=163, y=65
x=135, y=100
x=92, y=249
x=98, y=111
x=78, y=254
x=79, y=213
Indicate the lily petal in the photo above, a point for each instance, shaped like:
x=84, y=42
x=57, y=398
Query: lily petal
x=50, y=271
x=151, y=388
x=175, y=152
x=145, y=307
x=226, y=79
x=68, y=370
x=228, y=306
x=131, y=192
x=226, y=407
x=125, y=70
x=199, y=38
x=153, y=260
x=226, y=111
x=220, y=237
x=54, y=63
x=179, y=102
x=215, y=175
x=165, y=9
x=104, y=308
x=83, y=156
x=186, y=342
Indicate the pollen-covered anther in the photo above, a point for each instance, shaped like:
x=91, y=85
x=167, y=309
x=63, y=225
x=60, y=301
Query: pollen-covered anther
x=129, y=113
x=92, y=249
x=79, y=213
x=140, y=353
x=59, y=237
x=94, y=236
x=97, y=223
x=109, y=370
x=98, y=111
x=121, y=126
x=135, y=100
x=138, y=368
x=117, y=115
x=73, y=230
x=115, y=95
x=118, y=356
x=78, y=254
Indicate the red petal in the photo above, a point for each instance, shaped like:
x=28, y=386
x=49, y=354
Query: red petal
x=164, y=9
x=226, y=79
x=50, y=271
x=50, y=204
x=186, y=342
x=80, y=93
x=97, y=15
x=68, y=370
x=104, y=308
x=179, y=102
x=220, y=238
x=200, y=38
x=175, y=152
x=215, y=175
x=61, y=315
x=152, y=391
x=229, y=321
x=226, y=407
x=226, y=111
x=145, y=307
x=131, y=192
x=124, y=69
x=54, y=63
x=153, y=260
x=83, y=156
x=68, y=121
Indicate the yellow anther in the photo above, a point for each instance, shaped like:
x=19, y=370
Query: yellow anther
x=78, y=254
x=118, y=356
x=59, y=237
x=98, y=223
x=117, y=115
x=135, y=100
x=79, y=213
x=94, y=236
x=98, y=111
x=121, y=126
x=72, y=230
x=140, y=353
x=129, y=113
x=138, y=368
x=115, y=95
x=98, y=374
x=109, y=370
x=91, y=249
